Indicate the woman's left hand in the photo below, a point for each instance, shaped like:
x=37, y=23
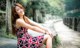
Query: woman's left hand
x=49, y=33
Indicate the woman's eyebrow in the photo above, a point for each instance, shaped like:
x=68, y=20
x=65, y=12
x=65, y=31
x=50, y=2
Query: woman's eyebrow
x=17, y=8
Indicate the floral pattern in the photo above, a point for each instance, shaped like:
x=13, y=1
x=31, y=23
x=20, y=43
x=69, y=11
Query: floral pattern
x=25, y=40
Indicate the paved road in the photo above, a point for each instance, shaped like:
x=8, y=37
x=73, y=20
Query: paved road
x=7, y=43
x=69, y=38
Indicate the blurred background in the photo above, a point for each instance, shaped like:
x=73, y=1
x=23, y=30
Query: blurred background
x=62, y=16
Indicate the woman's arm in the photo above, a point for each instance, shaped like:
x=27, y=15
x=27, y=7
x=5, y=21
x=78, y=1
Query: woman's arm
x=36, y=24
x=22, y=23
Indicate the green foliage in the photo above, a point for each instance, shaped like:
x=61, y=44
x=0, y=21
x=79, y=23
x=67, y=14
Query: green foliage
x=2, y=5
x=54, y=7
x=3, y=33
x=10, y=36
x=72, y=8
x=56, y=42
x=57, y=7
x=72, y=4
x=2, y=20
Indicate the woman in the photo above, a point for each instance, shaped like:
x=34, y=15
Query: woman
x=20, y=25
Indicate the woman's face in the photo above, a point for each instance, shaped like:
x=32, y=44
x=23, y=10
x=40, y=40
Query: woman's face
x=19, y=10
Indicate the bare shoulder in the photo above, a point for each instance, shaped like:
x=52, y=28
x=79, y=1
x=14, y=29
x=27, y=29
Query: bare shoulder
x=19, y=20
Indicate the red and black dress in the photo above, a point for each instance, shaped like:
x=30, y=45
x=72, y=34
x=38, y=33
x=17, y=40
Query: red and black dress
x=25, y=40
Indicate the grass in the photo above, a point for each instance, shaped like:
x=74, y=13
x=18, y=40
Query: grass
x=56, y=42
x=10, y=36
x=3, y=33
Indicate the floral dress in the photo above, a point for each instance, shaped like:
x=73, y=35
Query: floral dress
x=25, y=40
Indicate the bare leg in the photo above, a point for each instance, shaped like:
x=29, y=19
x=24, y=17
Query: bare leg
x=48, y=41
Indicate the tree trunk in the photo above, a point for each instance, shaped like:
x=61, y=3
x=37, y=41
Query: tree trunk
x=8, y=17
x=34, y=15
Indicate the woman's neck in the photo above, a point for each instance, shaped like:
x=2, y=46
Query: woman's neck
x=21, y=16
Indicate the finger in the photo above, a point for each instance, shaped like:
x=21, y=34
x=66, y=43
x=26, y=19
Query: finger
x=51, y=35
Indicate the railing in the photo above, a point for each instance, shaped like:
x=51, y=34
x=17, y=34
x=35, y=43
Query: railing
x=72, y=22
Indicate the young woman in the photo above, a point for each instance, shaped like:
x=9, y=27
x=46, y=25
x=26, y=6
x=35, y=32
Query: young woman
x=20, y=25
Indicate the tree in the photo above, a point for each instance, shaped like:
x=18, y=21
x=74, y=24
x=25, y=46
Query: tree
x=2, y=5
x=32, y=6
x=8, y=17
x=72, y=11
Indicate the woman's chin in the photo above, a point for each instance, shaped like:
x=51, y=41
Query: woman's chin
x=22, y=14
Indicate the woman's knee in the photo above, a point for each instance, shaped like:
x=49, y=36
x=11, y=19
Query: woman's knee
x=45, y=38
x=48, y=36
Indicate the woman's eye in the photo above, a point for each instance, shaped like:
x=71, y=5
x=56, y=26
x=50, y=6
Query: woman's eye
x=18, y=11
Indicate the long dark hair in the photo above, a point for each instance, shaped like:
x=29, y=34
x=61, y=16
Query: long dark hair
x=15, y=16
